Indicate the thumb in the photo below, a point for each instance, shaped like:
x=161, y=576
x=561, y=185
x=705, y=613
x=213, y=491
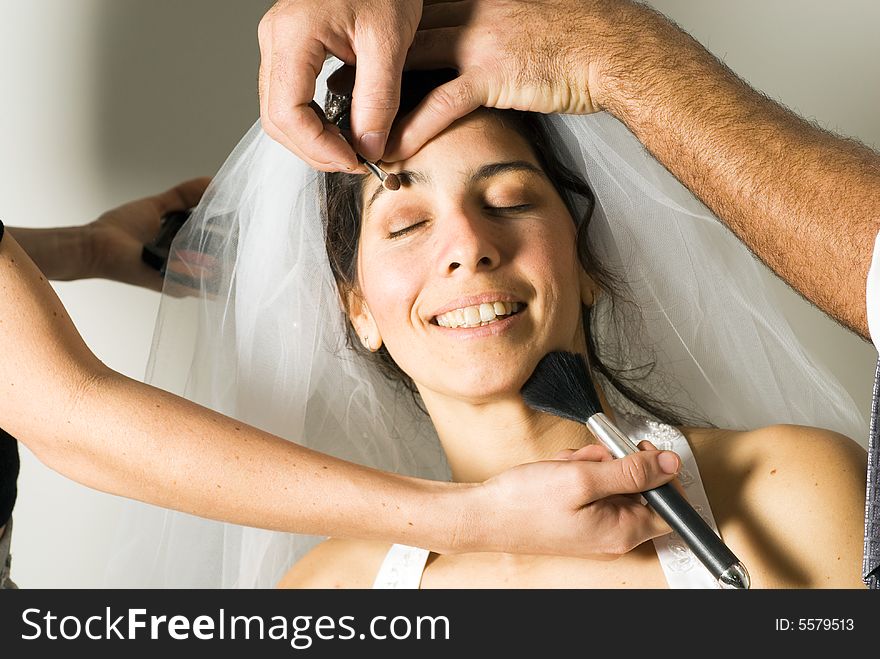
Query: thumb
x=376, y=93
x=636, y=473
x=182, y=196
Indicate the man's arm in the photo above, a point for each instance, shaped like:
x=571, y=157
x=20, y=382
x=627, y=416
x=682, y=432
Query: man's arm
x=807, y=202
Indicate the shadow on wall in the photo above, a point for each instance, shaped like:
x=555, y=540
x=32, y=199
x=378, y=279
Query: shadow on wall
x=176, y=85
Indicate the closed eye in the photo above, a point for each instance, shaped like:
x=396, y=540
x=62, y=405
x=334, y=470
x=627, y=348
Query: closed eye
x=508, y=209
x=402, y=232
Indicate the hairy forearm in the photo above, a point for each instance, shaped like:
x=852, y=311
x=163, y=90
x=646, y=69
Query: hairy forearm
x=62, y=254
x=805, y=201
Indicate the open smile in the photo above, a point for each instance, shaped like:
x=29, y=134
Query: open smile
x=478, y=315
x=472, y=325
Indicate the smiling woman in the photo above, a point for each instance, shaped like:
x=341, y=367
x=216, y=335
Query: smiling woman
x=497, y=217
x=456, y=199
x=483, y=223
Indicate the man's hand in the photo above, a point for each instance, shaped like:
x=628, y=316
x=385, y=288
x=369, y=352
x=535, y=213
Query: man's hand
x=591, y=505
x=295, y=38
x=540, y=56
x=118, y=236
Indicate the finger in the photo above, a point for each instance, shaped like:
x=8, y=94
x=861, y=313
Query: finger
x=434, y=49
x=623, y=525
x=266, y=48
x=592, y=453
x=286, y=111
x=182, y=196
x=669, y=460
x=376, y=94
x=434, y=114
x=564, y=454
x=639, y=523
x=634, y=473
x=149, y=278
x=292, y=111
x=445, y=14
x=645, y=445
x=265, y=39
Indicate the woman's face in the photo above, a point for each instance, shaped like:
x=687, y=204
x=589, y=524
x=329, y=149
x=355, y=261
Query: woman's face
x=469, y=272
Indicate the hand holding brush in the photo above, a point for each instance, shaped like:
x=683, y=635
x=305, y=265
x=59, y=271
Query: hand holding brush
x=561, y=385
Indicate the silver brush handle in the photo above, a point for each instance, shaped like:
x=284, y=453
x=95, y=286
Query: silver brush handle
x=678, y=513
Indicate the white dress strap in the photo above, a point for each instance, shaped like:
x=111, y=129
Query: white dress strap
x=680, y=565
x=402, y=568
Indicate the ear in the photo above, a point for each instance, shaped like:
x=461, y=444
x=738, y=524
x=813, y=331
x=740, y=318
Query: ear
x=590, y=290
x=363, y=322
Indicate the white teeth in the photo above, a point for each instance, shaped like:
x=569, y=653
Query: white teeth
x=472, y=316
x=477, y=315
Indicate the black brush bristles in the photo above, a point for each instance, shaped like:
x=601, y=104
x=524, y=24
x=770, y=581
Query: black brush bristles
x=561, y=385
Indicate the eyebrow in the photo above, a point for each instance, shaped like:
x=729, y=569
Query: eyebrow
x=485, y=172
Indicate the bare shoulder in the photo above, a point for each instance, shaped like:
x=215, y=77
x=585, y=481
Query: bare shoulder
x=791, y=497
x=337, y=563
x=793, y=444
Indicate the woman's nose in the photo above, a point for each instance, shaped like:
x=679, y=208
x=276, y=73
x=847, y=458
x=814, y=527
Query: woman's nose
x=471, y=243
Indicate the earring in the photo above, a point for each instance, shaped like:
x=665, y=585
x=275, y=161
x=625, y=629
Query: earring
x=366, y=341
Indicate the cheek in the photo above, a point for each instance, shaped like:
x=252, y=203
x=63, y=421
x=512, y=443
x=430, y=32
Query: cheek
x=390, y=284
x=554, y=262
x=552, y=253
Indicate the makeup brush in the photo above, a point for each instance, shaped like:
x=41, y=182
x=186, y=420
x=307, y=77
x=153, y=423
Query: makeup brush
x=561, y=385
x=389, y=181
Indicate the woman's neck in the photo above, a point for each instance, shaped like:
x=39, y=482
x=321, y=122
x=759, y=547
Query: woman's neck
x=482, y=440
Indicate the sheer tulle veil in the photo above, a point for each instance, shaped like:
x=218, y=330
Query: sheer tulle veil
x=250, y=325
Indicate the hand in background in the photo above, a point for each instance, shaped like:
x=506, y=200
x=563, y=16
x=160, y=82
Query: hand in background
x=117, y=237
x=295, y=38
x=110, y=247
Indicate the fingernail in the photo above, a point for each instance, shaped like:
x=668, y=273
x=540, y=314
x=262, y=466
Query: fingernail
x=372, y=145
x=669, y=462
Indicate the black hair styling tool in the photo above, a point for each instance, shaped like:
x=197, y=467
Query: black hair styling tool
x=155, y=254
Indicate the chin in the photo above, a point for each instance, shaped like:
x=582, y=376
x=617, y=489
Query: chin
x=486, y=387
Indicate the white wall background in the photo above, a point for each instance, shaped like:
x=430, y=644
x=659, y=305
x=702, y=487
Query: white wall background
x=102, y=101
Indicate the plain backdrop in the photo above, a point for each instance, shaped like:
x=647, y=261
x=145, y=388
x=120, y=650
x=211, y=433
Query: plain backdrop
x=102, y=101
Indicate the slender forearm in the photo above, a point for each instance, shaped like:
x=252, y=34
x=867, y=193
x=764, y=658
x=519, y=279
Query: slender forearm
x=807, y=202
x=121, y=436
x=62, y=254
x=127, y=438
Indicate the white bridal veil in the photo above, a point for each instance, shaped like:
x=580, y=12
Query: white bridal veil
x=250, y=325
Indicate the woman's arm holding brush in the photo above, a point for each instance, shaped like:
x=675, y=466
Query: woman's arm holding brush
x=118, y=435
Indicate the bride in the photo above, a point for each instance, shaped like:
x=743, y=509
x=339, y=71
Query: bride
x=458, y=284
x=491, y=223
